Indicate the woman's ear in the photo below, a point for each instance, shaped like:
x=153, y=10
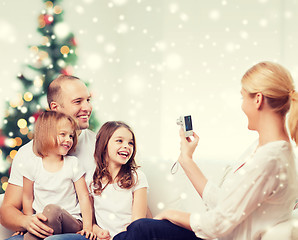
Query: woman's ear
x=259, y=98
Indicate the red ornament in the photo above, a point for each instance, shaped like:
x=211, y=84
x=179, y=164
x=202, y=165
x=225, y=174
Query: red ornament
x=48, y=19
x=36, y=115
x=2, y=140
x=67, y=71
x=73, y=41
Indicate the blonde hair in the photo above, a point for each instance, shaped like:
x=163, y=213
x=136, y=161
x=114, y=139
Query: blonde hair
x=46, y=132
x=276, y=84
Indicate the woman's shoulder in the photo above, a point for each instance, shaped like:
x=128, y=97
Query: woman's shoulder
x=275, y=153
x=275, y=148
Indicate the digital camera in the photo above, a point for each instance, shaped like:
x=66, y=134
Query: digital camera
x=186, y=123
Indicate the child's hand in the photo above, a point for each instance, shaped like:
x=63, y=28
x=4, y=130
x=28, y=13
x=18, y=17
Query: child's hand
x=17, y=233
x=101, y=233
x=88, y=233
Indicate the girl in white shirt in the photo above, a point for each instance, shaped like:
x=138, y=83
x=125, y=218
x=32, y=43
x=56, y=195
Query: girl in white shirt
x=260, y=190
x=53, y=182
x=118, y=188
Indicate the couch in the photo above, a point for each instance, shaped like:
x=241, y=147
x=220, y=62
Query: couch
x=176, y=192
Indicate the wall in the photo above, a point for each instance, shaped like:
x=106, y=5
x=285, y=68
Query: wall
x=151, y=61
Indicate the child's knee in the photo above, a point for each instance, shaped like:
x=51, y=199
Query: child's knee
x=52, y=211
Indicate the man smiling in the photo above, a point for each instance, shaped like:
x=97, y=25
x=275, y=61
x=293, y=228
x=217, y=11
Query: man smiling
x=69, y=95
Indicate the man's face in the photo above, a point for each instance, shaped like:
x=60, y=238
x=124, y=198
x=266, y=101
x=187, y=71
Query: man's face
x=75, y=101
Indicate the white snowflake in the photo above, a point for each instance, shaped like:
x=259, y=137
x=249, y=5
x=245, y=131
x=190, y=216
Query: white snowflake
x=214, y=15
x=119, y=2
x=173, y=8
x=94, y=61
x=122, y=28
x=174, y=61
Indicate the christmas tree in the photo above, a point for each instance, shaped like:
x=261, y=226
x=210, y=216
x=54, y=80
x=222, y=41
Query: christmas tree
x=56, y=54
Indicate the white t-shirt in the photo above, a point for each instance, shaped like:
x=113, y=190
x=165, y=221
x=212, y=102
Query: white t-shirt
x=25, y=156
x=252, y=198
x=85, y=150
x=55, y=187
x=113, y=208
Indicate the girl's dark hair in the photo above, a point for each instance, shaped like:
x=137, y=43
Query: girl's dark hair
x=125, y=177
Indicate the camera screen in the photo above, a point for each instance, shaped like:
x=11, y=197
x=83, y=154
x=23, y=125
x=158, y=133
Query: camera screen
x=188, y=123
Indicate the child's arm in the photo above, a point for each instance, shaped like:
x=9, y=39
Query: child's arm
x=27, y=196
x=85, y=205
x=101, y=233
x=97, y=230
x=139, y=204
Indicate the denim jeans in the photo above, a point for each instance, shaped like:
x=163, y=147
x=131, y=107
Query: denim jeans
x=149, y=229
x=71, y=236
x=17, y=237
x=144, y=229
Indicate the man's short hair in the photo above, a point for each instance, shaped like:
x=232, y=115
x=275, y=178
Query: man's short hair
x=54, y=89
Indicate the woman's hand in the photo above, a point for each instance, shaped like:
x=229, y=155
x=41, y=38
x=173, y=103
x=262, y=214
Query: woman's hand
x=187, y=146
x=179, y=218
x=164, y=215
x=193, y=172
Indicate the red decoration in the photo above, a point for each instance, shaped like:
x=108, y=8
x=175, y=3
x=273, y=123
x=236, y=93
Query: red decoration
x=73, y=41
x=2, y=140
x=67, y=71
x=36, y=115
x=48, y=19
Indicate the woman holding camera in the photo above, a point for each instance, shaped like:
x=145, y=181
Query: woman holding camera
x=260, y=191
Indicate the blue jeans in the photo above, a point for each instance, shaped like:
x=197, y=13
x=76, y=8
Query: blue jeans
x=71, y=236
x=17, y=237
x=149, y=229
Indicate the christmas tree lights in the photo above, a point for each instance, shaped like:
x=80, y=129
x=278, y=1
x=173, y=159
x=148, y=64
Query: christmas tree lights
x=56, y=54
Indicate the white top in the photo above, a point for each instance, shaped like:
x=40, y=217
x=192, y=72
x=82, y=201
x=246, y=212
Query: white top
x=55, y=187
x=113, y=208
x=25, y=156
x=257, y=196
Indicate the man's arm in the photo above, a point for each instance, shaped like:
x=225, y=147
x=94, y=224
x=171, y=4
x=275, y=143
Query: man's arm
x=12, y=217
x=28, y=196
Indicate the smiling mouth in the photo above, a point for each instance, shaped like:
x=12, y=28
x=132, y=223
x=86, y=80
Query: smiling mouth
x=84, y=116
x=66, y=146
x=124, y=154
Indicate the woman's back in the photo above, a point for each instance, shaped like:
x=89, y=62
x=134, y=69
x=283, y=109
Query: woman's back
x=267, y=190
